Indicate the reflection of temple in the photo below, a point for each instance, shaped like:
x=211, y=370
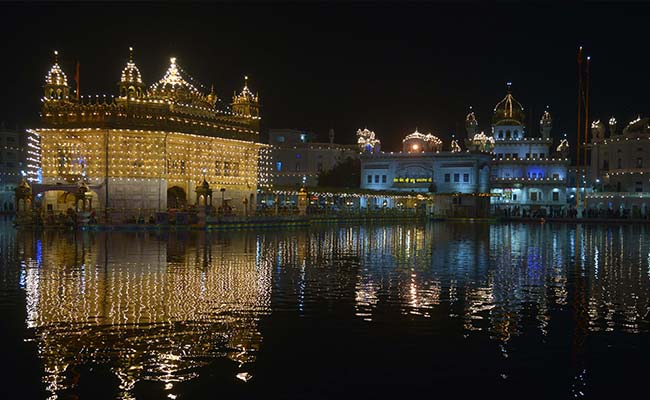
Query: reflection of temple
x=153, y=309
x=149, y=147
x=498, y=278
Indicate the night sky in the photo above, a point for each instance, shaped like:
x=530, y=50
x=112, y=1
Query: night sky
x=390, y=67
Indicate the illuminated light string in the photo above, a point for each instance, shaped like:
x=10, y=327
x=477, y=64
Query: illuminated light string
x=137, y=159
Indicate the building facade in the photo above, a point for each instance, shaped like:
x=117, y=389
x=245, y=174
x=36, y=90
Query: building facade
x=297, y=158
x=423, y=167
x=528, y=175
x=11, y=166
x=148, y=147
x=619, y=169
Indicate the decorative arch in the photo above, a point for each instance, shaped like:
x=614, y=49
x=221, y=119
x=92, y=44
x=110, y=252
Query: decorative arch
x=176, y=197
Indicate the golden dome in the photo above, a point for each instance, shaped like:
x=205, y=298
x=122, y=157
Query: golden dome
x=246, y=95
x=131, y=73
x=508, y=111
x=56, y=76
x=174, y=87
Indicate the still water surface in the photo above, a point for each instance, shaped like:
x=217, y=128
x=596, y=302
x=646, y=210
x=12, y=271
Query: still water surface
x=371, y=311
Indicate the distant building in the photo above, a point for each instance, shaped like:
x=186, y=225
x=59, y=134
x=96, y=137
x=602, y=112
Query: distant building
x=620, y=168
x=528, y=176
x=11, y=165
x=450, y=179
x=296, y=157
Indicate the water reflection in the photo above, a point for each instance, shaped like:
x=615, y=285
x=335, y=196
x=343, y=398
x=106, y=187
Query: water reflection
x=154, y=308
x=163, y=307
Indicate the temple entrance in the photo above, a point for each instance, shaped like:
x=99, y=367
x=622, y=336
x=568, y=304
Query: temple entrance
x=176, y=197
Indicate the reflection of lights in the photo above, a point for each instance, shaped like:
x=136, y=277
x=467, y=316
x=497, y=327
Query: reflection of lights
x=134, y=311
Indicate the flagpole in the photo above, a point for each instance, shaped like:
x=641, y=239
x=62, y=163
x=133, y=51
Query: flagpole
x=578, y=131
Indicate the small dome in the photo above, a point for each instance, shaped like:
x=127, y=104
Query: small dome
x=24, y=184
x=246, y=95
x=56, y=76
x=508, y=111
x=131, y=73
x=471, y=118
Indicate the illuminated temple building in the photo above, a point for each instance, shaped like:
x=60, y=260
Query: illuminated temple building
x=149, y=147
x=527, y=175
x=620, y=168
x=457, y=182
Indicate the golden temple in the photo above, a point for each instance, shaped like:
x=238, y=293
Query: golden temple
x=147, y=147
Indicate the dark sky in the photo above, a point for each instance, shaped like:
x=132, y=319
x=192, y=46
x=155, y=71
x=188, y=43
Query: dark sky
x=391, y=67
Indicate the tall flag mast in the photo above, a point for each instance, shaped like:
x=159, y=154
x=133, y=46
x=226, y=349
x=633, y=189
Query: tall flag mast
x=586, y=137
x=76, y=79
x=578, y=130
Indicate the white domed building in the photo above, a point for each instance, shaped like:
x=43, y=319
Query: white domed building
x=455, y=182
x=528, y=176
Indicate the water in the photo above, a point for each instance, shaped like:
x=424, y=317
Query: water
x=371, y=311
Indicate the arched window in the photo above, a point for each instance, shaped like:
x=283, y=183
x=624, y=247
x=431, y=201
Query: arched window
x=500, y=134
x=516, y=134
x=508, y=134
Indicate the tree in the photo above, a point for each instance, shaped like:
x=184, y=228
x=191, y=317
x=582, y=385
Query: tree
x=345, y=174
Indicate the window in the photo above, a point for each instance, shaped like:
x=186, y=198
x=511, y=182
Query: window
x=639, y=162
x=182, y=167
x=456, y=177
x=297, y=166
x=515, y=156
x=507, y=155
x=516, y=134
x=278, y=166
x=369, y=178
x=500, y=134
x=500, y=155
x=533, y=175
x=376, y=178
x=11, y=139
x=556, y=176
x=639, y=186
x=541, y=155
x=508, y=134
x=279, y=139
x=217, y=168
x=465, y=177
x=620, y=162
x=514, y=197
x=556, y=196
x=447, y=178
x=383, y=179
x=527, y=155
x=606, y=165
x=533, y=196
x=320, y=166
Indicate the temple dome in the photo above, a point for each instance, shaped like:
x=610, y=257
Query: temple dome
x=508, y=111
x=174, y=87
x=131, y=73
x=55, y=76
